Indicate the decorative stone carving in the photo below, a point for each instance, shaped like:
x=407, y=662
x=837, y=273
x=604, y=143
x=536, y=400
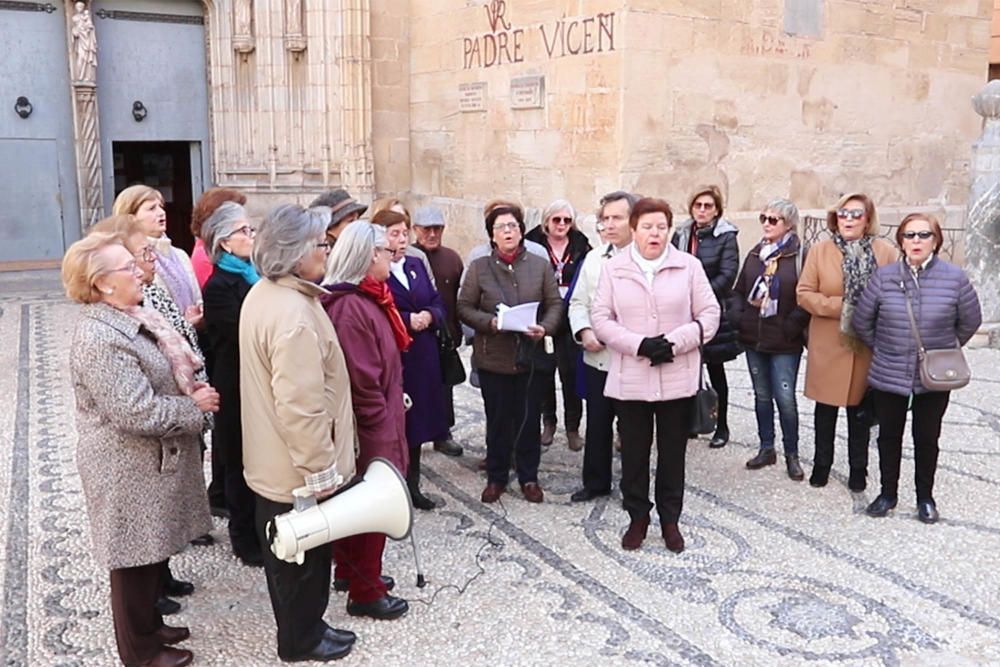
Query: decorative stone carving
x=83, y=59
x=355, y=61
x=982, y=235
x=243, y=36
x=295, y=37
x=84, y=45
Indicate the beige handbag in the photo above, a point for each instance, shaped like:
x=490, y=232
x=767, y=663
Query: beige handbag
x=940, y=370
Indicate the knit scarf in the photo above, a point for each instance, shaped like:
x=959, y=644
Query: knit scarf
x=858, y=266
x=379, y=292
x=507, y=259
x=174, y=274
x=767, y=288
x=241, y=267
x=183, y=361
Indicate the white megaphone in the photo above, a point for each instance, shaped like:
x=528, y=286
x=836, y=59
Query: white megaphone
x=378, y=503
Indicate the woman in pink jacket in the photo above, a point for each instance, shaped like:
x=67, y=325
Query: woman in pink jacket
x=649, y=303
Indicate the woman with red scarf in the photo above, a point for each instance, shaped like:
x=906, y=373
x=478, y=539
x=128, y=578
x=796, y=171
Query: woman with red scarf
x=372, y=334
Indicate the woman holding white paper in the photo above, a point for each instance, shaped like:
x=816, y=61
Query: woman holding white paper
x=510, y=276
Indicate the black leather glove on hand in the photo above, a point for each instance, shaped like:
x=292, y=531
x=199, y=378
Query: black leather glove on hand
x=651, y=347
x=666, y=356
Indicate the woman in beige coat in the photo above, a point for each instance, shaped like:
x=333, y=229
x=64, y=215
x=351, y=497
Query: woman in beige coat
x=139, y=412
x=835, y=274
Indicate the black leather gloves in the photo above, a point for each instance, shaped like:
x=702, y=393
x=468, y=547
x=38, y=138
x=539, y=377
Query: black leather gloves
x=657, y=349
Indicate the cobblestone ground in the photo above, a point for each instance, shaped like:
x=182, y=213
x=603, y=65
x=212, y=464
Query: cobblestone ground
x=775, y=572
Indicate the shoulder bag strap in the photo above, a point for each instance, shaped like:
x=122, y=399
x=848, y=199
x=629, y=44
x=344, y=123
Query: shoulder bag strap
x=701, y=355
x=909, y=312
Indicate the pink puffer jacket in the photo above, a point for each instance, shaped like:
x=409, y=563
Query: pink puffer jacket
x=626, y=310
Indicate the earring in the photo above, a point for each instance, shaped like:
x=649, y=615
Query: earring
x=108, y=291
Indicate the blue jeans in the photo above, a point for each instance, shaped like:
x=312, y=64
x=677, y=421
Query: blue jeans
x=774, y=377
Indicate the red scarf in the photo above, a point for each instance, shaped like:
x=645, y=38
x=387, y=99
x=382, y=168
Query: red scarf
x=379, y=292
x=505, y=258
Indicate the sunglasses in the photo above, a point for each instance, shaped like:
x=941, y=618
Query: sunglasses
x=559, y=220
x=769, y=219
x=852, y=213
x=918, y=235
x=703, y=206
x=326, y=245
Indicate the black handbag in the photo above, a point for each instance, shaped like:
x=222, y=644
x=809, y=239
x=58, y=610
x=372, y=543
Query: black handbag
x=705, y=406
x=452, y=368
x=531, y=354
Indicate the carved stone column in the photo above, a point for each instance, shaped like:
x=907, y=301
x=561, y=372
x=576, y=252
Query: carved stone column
x=83, y=68
x=358, y=172
x=982, y=228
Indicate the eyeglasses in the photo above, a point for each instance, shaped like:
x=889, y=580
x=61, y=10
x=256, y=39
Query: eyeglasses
x=703, y=205
x=384, y=249
x=325, y=245
x=560, y=220
x=852, y=213
x=507, y=226
x=146, y=254
x=247, y=231
x=918, y=235
x=131, y=267
x=769, y=219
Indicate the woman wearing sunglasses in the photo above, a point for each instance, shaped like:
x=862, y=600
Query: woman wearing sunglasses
x=566, y=246
x=947, y=313
x=837, y=271
x=772, y=330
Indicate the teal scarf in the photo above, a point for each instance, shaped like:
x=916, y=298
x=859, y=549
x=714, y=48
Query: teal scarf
x=241, y=267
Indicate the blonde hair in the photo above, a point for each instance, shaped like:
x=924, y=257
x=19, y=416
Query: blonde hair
x=123, y=227
x=84, y=263
x=131, y=198
x=386, y=204
x=831, y=216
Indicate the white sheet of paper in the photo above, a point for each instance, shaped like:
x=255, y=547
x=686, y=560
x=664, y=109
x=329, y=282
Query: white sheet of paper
x=517, y=318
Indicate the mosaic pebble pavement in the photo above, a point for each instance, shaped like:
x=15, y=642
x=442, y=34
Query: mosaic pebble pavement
x=775, y=572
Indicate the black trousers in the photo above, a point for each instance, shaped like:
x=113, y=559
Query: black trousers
x=240, y=501
x=928, y=414
x=858, y=433
x=600, y=432
x=413, y=469
x=133, y=607
x=636, y=424
x=449, y=406
x=566, y=353
x=717, y=378
x=299, y=593
x=511, y=403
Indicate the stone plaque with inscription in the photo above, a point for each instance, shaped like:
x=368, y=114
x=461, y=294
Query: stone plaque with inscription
x=472, y=96
x=527, y=92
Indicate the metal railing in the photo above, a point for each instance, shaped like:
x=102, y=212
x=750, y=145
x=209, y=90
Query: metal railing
x=814, y=230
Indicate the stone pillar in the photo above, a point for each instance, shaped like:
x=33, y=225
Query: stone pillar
x=982, y=228
x=83, y=68
x=355, y=60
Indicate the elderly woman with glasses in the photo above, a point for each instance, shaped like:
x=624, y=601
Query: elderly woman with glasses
x=373, y=335
x=228, y=239
x=298, y=421
x=945, y=313
x=771, y=329
x=566, y=246
x=833, y=278
x=139, y=412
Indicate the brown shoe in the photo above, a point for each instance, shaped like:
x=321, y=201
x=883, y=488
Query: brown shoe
x=532, y=492
x=672, y=537
x=636, y=533
x=169, y=657
x=170, y=635
x=548, y=433
x=574, y=440
x=492, y=492
x=481, y=466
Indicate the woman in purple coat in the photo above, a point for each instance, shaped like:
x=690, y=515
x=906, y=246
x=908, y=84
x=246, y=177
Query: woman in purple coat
x=423, y=312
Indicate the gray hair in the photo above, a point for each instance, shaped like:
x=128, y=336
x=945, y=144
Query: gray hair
x=787, y=210
x=555, y=207
x=286, y=235
x=617, y=195
x=324, y=212
x=353, y=254
x=223, y=222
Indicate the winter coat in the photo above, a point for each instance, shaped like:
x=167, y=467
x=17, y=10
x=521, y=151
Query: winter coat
x=447, y=268
x=945, y=306
x=836, y=373
x=425, y=420
x=719, y=254
x=784, y=333
x=489, y=282
x=376, y=370
x=295, y=392
x=576, y=251
x=627, y=309
x=138, y=451
x=223, y=294
x=583, y=297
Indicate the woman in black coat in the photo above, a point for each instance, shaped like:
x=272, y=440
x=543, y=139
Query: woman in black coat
x=712, y=239
x=228, y=240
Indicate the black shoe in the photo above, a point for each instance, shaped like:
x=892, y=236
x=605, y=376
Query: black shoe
x=205, y=540
x=880, y=506
x=328, y=649
x=167, y=607
x=819, y=477
x=794, y=469
x=583, y=495
x=250, y=557
x=341, y=585
x=857, y=480
x=220, y=512
x=927, y=511
x=765, y=457
x=448, y=447
x=340, y=635
x=176, y=588
x=385, y=608
x=720, y=439
x=420, y=501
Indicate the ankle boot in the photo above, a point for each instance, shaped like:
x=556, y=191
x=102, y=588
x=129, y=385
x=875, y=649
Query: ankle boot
x=636, y=533
x=793, y=467
x=721, y=436
x=765, y=457
x=820, y=475
x=672, y=537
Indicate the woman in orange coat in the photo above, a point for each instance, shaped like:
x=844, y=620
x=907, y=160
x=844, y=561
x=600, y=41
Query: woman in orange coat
x=835, y=274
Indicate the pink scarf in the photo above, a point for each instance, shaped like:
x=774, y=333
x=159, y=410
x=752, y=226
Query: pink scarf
x=183, y=361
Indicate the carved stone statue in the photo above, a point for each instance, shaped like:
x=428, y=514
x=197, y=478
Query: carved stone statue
x=243, y=37
x=84, y=45
x=295, y=39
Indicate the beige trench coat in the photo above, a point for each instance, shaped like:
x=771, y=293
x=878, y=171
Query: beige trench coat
x=138, y=452
x=836, y=374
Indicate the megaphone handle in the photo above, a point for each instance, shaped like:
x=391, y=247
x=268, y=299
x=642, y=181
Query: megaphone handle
x=421, y=582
